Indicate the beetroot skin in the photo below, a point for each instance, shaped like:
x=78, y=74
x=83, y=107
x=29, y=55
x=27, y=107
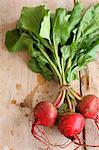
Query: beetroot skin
x=89, y=106
x=46, y=113
x=71, y=124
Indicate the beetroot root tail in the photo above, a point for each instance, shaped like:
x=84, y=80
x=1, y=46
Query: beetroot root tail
x=46, y=138
x=38, y=137
x=44, y=134
x=85, y=145
x=81, y=144
x=97, y=122
x=97, y=125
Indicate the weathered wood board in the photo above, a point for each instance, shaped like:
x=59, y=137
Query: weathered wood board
x=18, y=85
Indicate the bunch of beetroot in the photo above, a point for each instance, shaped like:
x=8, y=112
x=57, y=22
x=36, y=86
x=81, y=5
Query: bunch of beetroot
x=70, y=124
x=60, y=44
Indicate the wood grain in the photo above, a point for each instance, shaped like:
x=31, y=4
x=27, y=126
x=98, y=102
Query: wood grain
x=18, y=85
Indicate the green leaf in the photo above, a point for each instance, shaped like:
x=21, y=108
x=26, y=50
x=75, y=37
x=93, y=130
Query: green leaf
x=92, y=52
x=45, y=27
x=89, y=22
x=14, y=42
x=46, y=72
x=37, y=65
x=72, y=22
x=34, y=66
x=65, y=50
x=31, y=18
x=59, y=20
x=60, y=43
x=89, y=39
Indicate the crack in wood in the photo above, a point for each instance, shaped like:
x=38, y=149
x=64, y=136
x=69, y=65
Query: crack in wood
x=81, y=92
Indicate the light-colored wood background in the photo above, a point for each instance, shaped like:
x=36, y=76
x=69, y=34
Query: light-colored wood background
x=18, y=85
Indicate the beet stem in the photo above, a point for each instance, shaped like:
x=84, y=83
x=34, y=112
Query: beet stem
x=58, y=100
x=73, y=92
x=69, y=103
x=61, y=100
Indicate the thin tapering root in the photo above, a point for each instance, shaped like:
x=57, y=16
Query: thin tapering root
x=85, y=145
x=44, y=139
x=76, y=137
x=47, y=140
x=81, y=144
x=76, y=148
x=43, y=133
x=97, y=122
x=64, y=146
x=38, y=137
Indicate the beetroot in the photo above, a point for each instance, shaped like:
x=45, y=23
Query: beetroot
x=45, y=114
x=89, y=106
x=71, y=124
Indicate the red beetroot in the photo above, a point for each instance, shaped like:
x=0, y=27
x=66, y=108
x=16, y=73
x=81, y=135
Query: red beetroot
x=71, y=124
x=89, y=106
x=45, y=114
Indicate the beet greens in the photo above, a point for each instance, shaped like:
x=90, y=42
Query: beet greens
x=60, y=44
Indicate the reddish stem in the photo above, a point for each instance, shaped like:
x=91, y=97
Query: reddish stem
x=58, y=100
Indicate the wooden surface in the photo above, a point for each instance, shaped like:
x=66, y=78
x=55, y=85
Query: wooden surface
x=18, y=85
